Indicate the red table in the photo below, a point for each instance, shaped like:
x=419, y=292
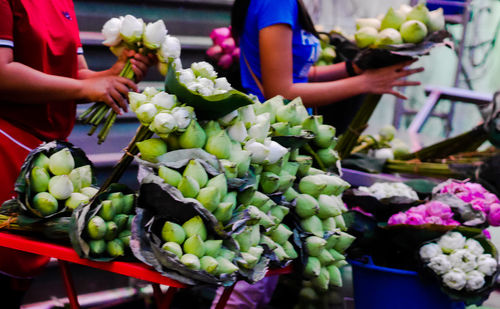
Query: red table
x=140, y=271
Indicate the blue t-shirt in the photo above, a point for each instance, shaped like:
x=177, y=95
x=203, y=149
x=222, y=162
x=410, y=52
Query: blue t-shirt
x=265, y=13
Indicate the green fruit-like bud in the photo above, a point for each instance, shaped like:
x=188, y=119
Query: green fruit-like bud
x=193, y=137
x=392, y=19
x=288, y=114
x=212, y=128
x=195, y=226
x=121, y=221
x=249, y=260
x=259, y=199
x=306, y=205
x=60, y=187
x=281, y=234
x=225, y=266
x=173, y=247
x=312, y=185
x=75, y=178
x=388, y=36
x=335, y=276
x=224, y=212
x=340, y=263
x=172, y=141
x=367, y=22
x=365, y=36
x=152, y=148
x=305, y=163
x=75, y=200
x=313, y=267
x=124, y=236
x=269, y=182
x=220, y=183
x=267, y=206
x=39, y=178
x=325, y=136
x=116, y=199
x=194, y=245
x=332, y=240
x=96, y=228
x=325, y=258
x=256, y=251
x=227, y=254
x=344, y=242
x=107, y=211
x=115, y=248
x=61, y=162
x=209, y=197
x=85, y=175
x=413, y=31
x=128, y=203
x=209, y=264
x=242, y=159
x=290, y=250
x=280, y=253
x=339, y=221
x=312, y=225
x=246, y=196
x=219, y=145
x=329, y=224
x=231, y=197
x=230, y=168
x=295, y=131
x=212, y=247
x=312, y=123
x=191, y=261
x=290, y=194
x=419, y=12
x=322, y=281
x=315, y=245
x=97, y=247
x=334, y=185
x=89, y=191
x=244, y=239
x=337, y=256
x=285, y=182
x=266, y=221
x=291, y=168
x=197, y=171
x=266, y=240
x=111, y=230
x=170, y=176
x=328, y=156
x=314, y=171
x=42, y=161
x=189, y=187
x=278, y=212
x=280, y=129
x=45, y=203
x=173, y=232
x=328, y=206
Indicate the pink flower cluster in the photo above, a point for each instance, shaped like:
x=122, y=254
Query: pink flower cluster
x=224, y=50
x=432, y=212
x=475, y=194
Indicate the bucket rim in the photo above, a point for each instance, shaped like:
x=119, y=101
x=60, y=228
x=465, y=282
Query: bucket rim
x=370, y=265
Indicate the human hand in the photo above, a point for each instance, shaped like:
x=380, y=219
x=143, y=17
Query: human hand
x=112, y=90
x=383, y=80
x=140, y=63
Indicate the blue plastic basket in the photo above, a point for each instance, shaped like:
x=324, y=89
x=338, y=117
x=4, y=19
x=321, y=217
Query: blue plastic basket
x=452, y=8
x=378, y=287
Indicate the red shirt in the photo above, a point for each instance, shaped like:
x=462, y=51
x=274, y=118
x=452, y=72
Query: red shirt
x=44, y=36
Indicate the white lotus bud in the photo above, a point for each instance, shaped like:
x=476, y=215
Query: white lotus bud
x=61, y=162
x=150, y=92
x=136, y=99
x=474, y=247
x=276, y=151
x=154, y=34
x=258, y=152
x=146, y=113
x=228, y=119
x=164, y=101
x=475, y=280
x=429, y=251
x=60, y=187
x=183, y=116
x=368, y=22
x=187, y=76
x=222, y=84
x=238, y=132
x=455, y=279
x=111, y=32
x=463, y=259
x=131, y=29
x=247, y=115
x=440, y=264
x=163, y=123
x=204, y=69
x=451, y=241
x=485, y=264
x=170, y=48
x=388, y=36
x=365, y=36
x=436, y=20
x=177, y=64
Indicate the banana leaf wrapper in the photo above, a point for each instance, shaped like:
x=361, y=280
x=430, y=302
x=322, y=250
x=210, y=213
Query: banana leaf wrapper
x=82, y=215
x=206, y=107
x=293, y=141
x=23, y=183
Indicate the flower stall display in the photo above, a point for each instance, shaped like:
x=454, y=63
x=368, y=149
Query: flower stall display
x=433, y=212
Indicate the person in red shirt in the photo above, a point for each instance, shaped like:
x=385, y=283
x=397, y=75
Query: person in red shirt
x=43, y=75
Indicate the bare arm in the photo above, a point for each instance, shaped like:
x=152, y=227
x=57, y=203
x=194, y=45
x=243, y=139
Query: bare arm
x=328, y=72
x=277, y=74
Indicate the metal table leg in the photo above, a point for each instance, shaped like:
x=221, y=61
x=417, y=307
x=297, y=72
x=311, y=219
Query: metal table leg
x=225, y=297
x=163, y=301
x=68, y=285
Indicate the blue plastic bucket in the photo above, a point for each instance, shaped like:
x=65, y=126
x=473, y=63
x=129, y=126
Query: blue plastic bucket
x=452, y=8
x=378, y=287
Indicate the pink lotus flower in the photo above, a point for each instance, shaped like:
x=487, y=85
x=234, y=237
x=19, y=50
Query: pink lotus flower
x=236, y=53
x=494, y=215
x=220, y=34
x=451, y=222
x=215, y=52
x=434, y=220
x=399, y=218
x=439, y=209
x=415, y=219
x=225, y=61
x=228, y=45
x=420, y=210
x=486, y=234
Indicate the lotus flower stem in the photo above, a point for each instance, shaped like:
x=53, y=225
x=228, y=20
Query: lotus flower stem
x=420, y=168
x=321, y=165
x=107, y=127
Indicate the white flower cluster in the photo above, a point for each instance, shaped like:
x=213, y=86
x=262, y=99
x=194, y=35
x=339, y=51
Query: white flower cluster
x=202, y=78
x=460, y=262
x=382, y=190
x=133, y=33
x=160, y=111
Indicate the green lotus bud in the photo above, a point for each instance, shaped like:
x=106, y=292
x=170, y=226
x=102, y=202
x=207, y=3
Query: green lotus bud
x=325, y=136
x=329, y=224
x=225, y=266
x=302, y=113
x=365, y=37
x=45, y=203
x=334, y=184
x=242, y=159
x=194, y=245
x=61, y=162
x=209, y=197
x=130, y=221
x=290, y=168
x=344, y=242
x=212, y=247
x=266, y=240
x=368, y=22
x=107, y=211
x=231, y=197
x=392, y=19
x=42, y=161
x=75, y=178
x=146, y=113
x=436, y=20
x=121, y=221
x=173, y=247
x=267, y=206
x=116, y=199
x=290, y=250
x=260, y=130
x=172, y=141
x=96, y=228
x=227, y=254
x=308, y=294
x=328, y=206
x=189, y=187
x=191, y=261
x=278, y=213
x=413, y=31
x=325, y=258
x=295, y=131
x=254, y=213
x=420, y=13
x=270, y=107
x=288, y=114
x=280, y=129
x=249, y=260
x=388, y=36
x=97, y=247
x=209, y=264
x=197, y=171
x=328, y=156
x=212, y=128
x=285, y=182
x=220, y=183
x=124, y=236
x=335, y=276
x=111, y=230
x=219, y=145
x=85, y=175
x=269, y=182
x=230, y=168
x=128, y=202
x=305, y=163
x=315, y=171
x=332, y=240
x=266, y=221
x=313, y=267
x=60, y=187
x=173, y=232
x=312, y=124
x=245, y=196
x=195, y=226
x=315, y=245
x=254, y=234
x=136, y=99
x=340, y=264
x=312, y=225
x=224, y=212
x=274, y=168
x=259, y=199
x=290, y=194
x=306, y=205
x=339, y=221
x=170, y=176
x=238, y=132
x=280, y=253
x=115, y=248
x=39, y=178
x=281, y=234
x=387, y=133
x=75, y=200
x=321, y=282
x=89, y=191
x=256, y=251
x=193, y=137
x=152, y=148
x=337, y=256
